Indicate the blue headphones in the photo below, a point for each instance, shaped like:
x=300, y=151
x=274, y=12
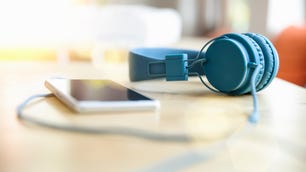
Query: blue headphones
x=229, y=63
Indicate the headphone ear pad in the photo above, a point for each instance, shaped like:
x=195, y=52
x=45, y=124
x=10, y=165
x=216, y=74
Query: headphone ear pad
x=270, y=58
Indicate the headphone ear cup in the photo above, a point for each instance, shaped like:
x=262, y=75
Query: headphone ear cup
x=226, y=66
x=270, y=58
x=228, y=57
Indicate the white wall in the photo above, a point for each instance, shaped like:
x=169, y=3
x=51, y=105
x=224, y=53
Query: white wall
x=282, y=13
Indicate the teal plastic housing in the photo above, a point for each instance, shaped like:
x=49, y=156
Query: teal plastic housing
x=150, y=63
x=176, y=67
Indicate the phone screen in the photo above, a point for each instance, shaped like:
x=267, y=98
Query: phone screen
x=101, y=90
x=85, y=95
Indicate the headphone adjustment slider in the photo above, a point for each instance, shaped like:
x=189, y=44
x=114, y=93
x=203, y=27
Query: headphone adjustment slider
x=176, y=67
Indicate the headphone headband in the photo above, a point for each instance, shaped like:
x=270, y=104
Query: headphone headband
x=151, y=63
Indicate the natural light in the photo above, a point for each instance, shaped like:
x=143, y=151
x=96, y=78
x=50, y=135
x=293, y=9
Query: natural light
x=61, y=23
x=41, y=22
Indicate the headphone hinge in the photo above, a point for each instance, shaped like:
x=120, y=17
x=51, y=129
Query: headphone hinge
x=176, y=67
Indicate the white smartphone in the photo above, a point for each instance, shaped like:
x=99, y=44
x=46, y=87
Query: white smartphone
x=84, y=95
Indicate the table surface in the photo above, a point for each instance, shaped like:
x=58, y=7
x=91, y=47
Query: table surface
x=216, y=122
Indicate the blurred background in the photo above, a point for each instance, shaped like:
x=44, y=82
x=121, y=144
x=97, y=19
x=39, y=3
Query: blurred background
x=92, y=30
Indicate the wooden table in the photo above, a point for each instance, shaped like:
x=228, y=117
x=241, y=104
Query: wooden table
x=276, y=143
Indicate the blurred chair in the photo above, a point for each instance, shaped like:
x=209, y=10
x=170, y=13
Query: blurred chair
x=291, y=46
